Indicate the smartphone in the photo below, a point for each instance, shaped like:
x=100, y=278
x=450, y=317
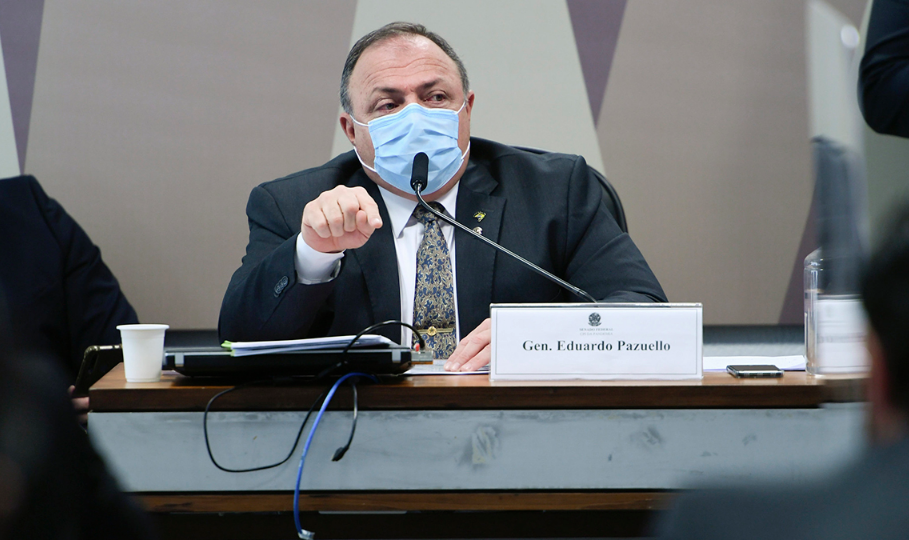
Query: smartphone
x=766, y=370
x=96, y=362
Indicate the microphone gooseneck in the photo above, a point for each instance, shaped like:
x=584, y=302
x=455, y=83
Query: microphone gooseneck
x=419, y=180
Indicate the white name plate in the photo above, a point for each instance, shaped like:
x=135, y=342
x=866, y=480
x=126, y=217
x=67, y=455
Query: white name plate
x=596, y=341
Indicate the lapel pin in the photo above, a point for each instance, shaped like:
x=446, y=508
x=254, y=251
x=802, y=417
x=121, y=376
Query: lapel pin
x=480, y=216
x=478, y=230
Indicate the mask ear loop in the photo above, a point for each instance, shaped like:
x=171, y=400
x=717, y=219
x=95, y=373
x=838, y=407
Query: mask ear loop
x=363, y=163
x=466, y=150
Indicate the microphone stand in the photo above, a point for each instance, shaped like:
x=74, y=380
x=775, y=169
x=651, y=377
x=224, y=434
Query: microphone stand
x=419, y=180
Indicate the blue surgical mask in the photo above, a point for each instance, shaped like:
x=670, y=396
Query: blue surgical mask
x=398, y=137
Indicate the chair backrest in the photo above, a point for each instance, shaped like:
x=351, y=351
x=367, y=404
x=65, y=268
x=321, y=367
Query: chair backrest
x=610, y=195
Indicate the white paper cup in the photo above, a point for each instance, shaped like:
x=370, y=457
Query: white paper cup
x=143, y=351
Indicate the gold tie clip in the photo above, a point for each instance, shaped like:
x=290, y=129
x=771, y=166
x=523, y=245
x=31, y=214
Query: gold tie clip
x=432, y=330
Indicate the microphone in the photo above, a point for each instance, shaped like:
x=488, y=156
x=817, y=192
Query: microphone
x=419, y=178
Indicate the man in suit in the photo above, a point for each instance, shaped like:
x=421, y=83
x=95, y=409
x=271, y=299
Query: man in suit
x=62, y=297
x=868, y=499
x=335, y=249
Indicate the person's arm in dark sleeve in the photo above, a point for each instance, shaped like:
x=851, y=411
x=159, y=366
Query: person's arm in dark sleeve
x=884, y=71
x=604, y=261
x=95, y=305
x=264, y=300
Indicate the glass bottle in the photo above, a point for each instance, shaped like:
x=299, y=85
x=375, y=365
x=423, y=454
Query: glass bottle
x=835, y=324
x=814, y=287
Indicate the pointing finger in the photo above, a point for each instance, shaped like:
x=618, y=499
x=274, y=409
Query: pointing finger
x=350, y=206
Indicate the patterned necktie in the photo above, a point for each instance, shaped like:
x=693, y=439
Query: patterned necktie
x=433, y=299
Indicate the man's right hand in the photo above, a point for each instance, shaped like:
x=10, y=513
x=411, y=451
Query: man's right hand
x=339, y=219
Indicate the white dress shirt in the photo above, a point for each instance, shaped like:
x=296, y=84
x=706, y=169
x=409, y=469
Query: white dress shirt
x=315, y=267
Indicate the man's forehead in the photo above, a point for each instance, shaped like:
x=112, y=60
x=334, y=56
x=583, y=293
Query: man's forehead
x=401, y=55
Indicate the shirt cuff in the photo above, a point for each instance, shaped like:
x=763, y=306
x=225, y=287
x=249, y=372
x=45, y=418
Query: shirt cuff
x=314, y=267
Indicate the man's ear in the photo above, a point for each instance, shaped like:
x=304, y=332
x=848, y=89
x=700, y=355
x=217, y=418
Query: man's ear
x=347, y=126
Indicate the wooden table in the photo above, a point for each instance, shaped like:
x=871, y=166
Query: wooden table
x=441, y=444
x=178, y=393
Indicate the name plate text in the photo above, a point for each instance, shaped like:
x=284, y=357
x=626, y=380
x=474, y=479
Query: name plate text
x=596, y=341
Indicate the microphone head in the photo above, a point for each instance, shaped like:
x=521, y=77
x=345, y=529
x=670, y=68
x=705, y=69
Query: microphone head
x=419, y=176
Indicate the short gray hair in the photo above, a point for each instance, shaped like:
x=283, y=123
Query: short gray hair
x=388, y=31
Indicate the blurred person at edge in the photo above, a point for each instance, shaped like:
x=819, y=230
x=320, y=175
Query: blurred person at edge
x=60, y=294
x=869, y=499
x=53, y=485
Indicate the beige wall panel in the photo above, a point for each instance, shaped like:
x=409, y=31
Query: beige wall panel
x=9, y=158
x=153, y=120
x=853, y=9
x=704, y=130
x=523, y=65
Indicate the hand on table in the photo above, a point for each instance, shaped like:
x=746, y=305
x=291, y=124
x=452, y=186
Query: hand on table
x=341, y=218
x=472, y=352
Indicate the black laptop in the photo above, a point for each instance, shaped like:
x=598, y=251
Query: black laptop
x=220, y=362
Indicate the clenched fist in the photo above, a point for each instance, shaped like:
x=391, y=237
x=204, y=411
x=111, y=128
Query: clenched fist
x=339, y=219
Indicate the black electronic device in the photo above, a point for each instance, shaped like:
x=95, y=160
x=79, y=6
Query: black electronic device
x=765, y=370
x=219, y=362
x=96, y=362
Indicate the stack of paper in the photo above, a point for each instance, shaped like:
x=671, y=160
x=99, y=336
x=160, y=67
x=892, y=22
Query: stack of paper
x=437, y=367
x=246, y=348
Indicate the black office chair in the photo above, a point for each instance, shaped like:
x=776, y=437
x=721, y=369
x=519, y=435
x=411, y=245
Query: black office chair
x=610, y=195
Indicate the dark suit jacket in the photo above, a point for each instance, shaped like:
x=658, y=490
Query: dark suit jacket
x=868, y=500
x=884, y=75
x=547, y=208
x=61, y=296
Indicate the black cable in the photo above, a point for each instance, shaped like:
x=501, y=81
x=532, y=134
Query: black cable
x=380, y=325
x=365, y=331
x=264, y=467
x=339, y=453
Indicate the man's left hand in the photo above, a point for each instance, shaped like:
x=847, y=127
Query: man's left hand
x=472, y=352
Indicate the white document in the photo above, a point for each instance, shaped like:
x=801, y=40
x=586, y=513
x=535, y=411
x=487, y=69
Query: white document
x=596, y=341
x=245, y=348
x=438, y=368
